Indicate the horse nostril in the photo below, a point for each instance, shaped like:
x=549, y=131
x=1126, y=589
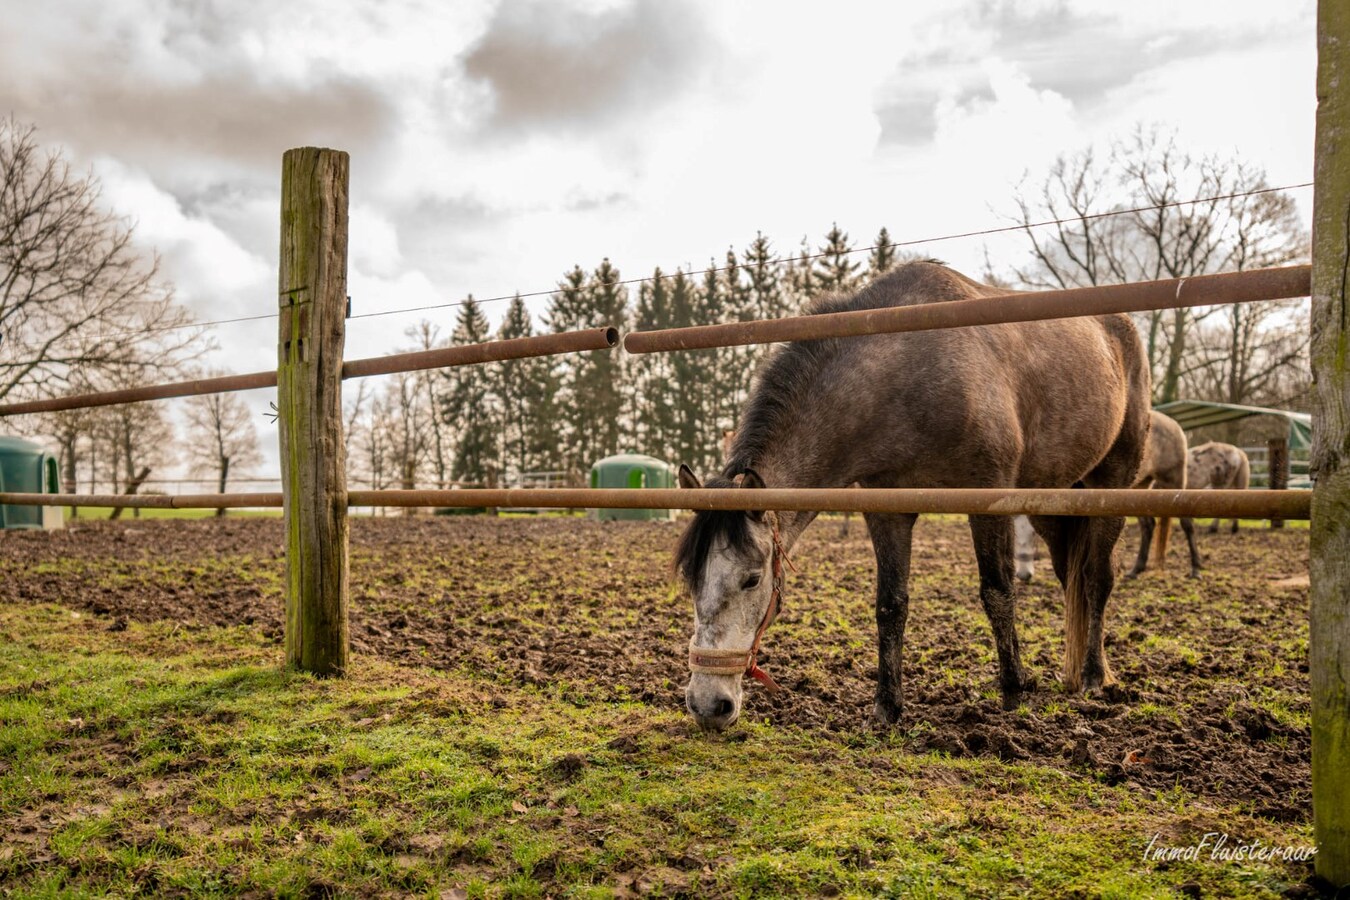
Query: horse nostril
x=723, y=708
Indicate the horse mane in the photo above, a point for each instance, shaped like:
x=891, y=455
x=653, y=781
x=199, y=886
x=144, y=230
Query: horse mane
x=703, y=531
x=783, y=383
x=787, y=376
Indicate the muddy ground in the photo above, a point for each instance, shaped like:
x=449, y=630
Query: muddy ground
x=1213, y=672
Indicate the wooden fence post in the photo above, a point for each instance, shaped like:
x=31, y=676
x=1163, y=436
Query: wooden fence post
x=313, y=303
x=1277, y=469
x=1329, y=629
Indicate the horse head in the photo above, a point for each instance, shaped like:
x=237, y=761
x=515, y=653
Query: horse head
x=730, y=560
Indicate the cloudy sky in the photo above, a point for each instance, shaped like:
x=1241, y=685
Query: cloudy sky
x=495, y=143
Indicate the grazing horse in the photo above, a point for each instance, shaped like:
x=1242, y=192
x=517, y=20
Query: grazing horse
x=1021, y=405
x=1165, y=466
x=1218, y=466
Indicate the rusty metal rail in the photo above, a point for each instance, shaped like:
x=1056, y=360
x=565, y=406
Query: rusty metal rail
x=1201, y=290
x=973, y=501
x=445, y=357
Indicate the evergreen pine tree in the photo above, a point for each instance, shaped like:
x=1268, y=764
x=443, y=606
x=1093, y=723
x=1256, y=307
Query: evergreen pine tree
x=649, y=374
x=836, y=270
x=607, y=305
x=717, y=380
x=566, y=312
x=469, y=403
x=686, y=374
x=591, y=391
x=513, y=379
x=883, y=257
x=736, y=364
x=802, y=284
x=766, y=295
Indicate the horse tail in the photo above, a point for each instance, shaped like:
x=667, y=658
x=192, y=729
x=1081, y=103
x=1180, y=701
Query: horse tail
x=1077, y=540
x=1160, y=540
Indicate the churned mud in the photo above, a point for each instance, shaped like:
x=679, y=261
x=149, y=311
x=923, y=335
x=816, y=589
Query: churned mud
x=1213, y=694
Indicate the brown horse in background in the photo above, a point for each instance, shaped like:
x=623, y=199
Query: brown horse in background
x=1050, y=404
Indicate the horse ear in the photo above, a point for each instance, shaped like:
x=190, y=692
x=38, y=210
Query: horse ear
x=752, y=480
x=688, y=480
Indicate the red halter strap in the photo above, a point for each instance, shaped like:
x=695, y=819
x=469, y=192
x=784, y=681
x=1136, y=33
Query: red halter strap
x=742, y=662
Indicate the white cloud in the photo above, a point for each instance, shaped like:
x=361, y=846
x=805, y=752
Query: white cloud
x=214, y=276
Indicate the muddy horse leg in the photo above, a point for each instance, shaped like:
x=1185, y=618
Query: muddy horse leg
x=1188, y=527
x=993, y=537
x=891, y=536
x=1146, y=525
x=1081, y=551
x=1099, y=578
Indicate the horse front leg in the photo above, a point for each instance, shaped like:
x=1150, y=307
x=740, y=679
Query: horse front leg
x=891, y=540
x=1188, y=527
x=993, y=537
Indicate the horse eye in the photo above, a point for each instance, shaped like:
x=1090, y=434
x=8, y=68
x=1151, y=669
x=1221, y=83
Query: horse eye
x=751, y=582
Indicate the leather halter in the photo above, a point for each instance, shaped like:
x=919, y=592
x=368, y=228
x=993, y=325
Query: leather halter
x=713, y=661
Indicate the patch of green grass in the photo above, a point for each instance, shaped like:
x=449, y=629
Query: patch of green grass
x=105, y=512
x=160, y=760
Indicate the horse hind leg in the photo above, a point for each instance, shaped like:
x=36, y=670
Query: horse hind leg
x=1098, y=580
x=1082, y=549
x=993, y=538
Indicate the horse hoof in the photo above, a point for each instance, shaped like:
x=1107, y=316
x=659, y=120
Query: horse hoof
x=884, y=715
x=1132, y=575
x=1195, y=573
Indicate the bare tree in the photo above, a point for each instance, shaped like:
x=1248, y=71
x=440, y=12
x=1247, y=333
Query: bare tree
x=352, y=410
x=75, y=295
x=438, y=450
x=408, y=428
x=1157, y=232
x=221, y=437
x=368, y=437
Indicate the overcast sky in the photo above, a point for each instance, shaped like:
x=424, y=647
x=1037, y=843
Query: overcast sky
x=495, y=143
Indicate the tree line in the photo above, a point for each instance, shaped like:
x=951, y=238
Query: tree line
x=549, y=418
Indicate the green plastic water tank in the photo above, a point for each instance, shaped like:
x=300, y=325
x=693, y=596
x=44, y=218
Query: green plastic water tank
x=25, y=468
x=633, y=470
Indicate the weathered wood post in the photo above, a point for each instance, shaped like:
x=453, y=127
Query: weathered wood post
x=313, y=303
x=1329, y=634
x=1277, y=469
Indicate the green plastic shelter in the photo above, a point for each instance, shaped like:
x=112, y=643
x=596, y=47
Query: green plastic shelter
x=633, y=470
x=1191, y=414
x=25, y=468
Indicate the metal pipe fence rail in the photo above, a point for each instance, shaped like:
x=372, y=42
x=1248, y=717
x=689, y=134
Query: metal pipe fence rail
x=443, y=357
x=1034, y=306
x=963, y=501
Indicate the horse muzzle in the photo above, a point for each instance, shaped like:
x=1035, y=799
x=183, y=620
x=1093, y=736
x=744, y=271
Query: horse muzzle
x=714, y=700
